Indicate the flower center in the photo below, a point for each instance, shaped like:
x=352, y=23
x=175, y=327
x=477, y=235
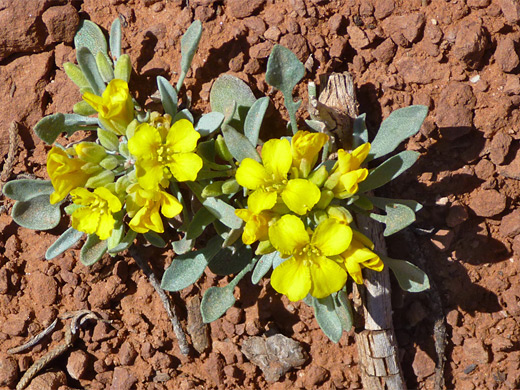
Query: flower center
x=308, y=253
x=99, y=205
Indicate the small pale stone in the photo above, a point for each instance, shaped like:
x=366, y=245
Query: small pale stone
x=77, y=364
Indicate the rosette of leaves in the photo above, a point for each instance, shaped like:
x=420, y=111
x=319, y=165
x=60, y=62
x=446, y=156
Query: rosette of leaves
x=220, y=196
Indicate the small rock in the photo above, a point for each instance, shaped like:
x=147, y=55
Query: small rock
x=419, y=70
x=338, y=47
x=8, y=371
x=443, y=239
x=297, y=44
x=510, y=225
x=475, y=351
x=161, y=361
x=479, y=3
x=487, y=203
x=456, y=215
x=103, y=331
x=423, y=365
x=197, y=329
x=240, y=9
x=383, y=8
x=61, y=22
x=77, y=364
x=228, y=350
x=15, y=324
x=214, y=368
x=256, y=25
x=122, y=379
x=385, y=52
x=511, y=170
x=147, y=350
x=512, y=85
x=272, y=33
x=500, y=343
x=261, y=50
x=511, y=10
x=499, y=148
x=471, y=43
x=314, y=375
x=43, y=289
x=357, y=37
x=127, y=354
x=453, y=318
x=336, y=23
x=484, y=169
x=404, y=29
x=235, y=315
x=506, y=55
x=453, y=121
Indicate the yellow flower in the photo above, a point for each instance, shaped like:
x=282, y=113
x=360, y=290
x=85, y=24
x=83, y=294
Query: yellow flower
x=65, y=173
x=114, y=106
x=161, y=154
x=143, y=207
x=347, y=172
x=96, y=214
x=311, y=268
x=305, y=147
x=257, y=218
x=268, y=180
x=358, y=256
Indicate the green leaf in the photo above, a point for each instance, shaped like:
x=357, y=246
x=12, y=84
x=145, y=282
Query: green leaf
x=123, y=68
x=239, y=146
x=209, y=123
x=154, y=239
x=381, y=203
x=189, y=43
x=231, y=259
x=90, y=36
x=83, y=108
x=388, y=170
x=118, y=232
x=343, y=309
x=76, y=75
x=327, y=318
x=317, y=126
x=26, y=189
x=223, y=211
x=284, y=71
x=400, y=125
x=51, y=126
x=227, y=90
x=410, y=277
x=359, y=131
x=215, y=302
x=115, y=38
x=254, y=119
x=125, y=242
x=398, y=216
x=92, y=250
x=67, y=240
x=186, y=269
x=105, y=68
x=37, y=213
x=168, y=96
x=198, y=224
x=263, y=267
x=183, y=114
x=183, y=245
x=88, y=65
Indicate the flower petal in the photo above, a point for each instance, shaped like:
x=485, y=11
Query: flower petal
x=170, y=205
x=300, y=195
x=277, y=158
x=251, y=174
x=85, y=220
x=327, y=277
x=105, y=226
x=182, y=137
x=332, y=237
x=288, y=234
x=145, y=142
x=354, y=270
x=149, y=173
x=261, y=200
x=292, y=278
x=185, y=166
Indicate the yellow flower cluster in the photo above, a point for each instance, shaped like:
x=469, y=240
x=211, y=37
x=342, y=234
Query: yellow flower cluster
x=285, y=192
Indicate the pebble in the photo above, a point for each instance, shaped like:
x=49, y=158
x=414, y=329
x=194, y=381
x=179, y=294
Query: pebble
x=423, y=365
x=261, y=50
x=471, y=43
x=484, y=169
x=315, y=375
x=404, y=29
x=338, y=47
x=122, y=379
x=77, y=364
x=273, y=33
x=214, y=368
x=456, y=215
x=506, y=55
x=242, y=9
x=161, y=361
x=48, y=381
x=487, y=203
x=15, y=324
x=511, y=10
x=499, y=147
x=475, y=350
x=510, y=224
x=383, y=8
x=453, y=318
x=385, y=52
x=127, y=354
x=336, y=23
x=61, y=23
x=103, y=331
x=235, y=315
x=297, y=44
x=229, y=351
x=511, y=170
x=357, y=37
x=8, y=371
x=43, y=289
x=453, y=121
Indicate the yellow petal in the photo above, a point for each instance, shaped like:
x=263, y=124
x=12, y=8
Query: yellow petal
x=332, y=237
x=261, y=200
x=149, y=173
x=327, y=277
x=360, y=154
x=114, y=204
x=105, y=226
x=305, y=147
x=300, y=195
x=170, y=206
x=145, y=142
x=85, y=220
x=182, y=137
x=354, y=270
x=244, y=214
x=277, y=158
x=95, y=101
x=348, y=183
x=288, y=234
x=292, y=278
x=185, y=166
x=251, y=174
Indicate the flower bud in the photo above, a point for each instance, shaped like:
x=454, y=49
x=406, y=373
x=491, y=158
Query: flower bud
x=104, y=67
x=212, y=190
x=230, y=186
x=101, y=179
x=123, y=68
x=91, y=168
x=110, y=162
x=90, y=152
x=222, y=149
x=340, y=213
x=108, y=139
x=319, y=176
x=76, y=75
x=264, y=247
x=325, y=198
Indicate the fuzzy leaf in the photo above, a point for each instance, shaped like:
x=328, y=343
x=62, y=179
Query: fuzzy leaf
x=189, y=44
x=123, y=68
x=400, y=125
x=36, y=213
x=410, y=277
x=26, y=189
x=224, y=212
x=209, y=123
x=92, y=250
x=76, y=75
x=327, y=318
x=184, y=245
x=398, y=216
x=186, y=269
x=115, y=39
x=88, y=65
x=317, y=126
x=359, y=131
x=231, y=259
x=67, y=240
x=263, y=267
x=83, y=108
x=108, y=139
x=198, y=224
x=381, y=203
x=239, y=146
x=343, y=309
x=125, y=243
x=105, y=68
x=254, y=119
x=90, y=36
x=183, y=114
x=215, y=302
x=51, y=126
x=168, y=96
x=227, y=90
x=388, y=170
x=154, y=239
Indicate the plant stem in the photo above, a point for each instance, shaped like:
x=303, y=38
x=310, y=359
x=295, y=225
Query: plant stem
x=168, y=305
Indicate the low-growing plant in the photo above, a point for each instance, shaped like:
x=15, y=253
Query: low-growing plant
x=283, y=205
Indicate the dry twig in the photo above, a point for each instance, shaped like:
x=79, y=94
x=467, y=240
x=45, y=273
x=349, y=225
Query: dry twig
x=7, y=170
x=35, y=340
